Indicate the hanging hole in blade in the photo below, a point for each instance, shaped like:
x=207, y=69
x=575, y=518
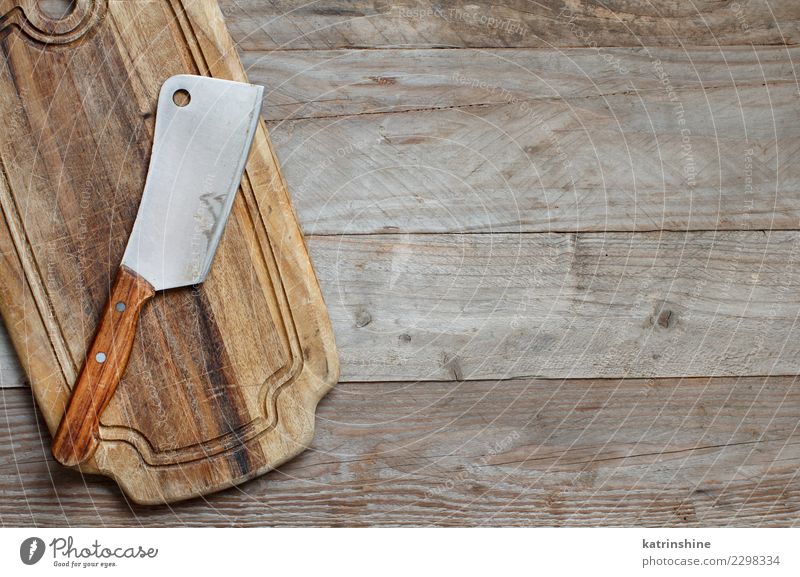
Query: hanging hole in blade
x=181, y=97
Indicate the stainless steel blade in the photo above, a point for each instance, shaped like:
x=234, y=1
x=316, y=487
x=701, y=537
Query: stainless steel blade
x=199, y=154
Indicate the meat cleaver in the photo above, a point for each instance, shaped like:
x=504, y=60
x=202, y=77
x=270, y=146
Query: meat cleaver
x=204, y=130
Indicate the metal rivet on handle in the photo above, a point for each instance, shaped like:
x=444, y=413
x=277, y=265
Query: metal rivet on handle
x=100, y=357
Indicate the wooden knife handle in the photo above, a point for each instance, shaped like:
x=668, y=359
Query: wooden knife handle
x=77, y=435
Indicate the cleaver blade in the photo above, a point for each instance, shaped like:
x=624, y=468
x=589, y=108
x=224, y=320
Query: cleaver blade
x=199, y=153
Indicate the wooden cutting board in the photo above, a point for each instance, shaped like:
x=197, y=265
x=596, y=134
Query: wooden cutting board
x=224, y=378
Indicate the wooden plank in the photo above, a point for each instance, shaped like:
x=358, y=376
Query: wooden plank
x=471, y=307
x=323, y=83
x=297, y=24
x=442, y=307
x=527, y=140
x=719, y=452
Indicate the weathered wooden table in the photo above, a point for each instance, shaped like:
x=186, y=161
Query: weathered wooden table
x=560, y=251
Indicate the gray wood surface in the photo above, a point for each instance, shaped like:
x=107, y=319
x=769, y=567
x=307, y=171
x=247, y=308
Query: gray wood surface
x=10, y=371
x=690, y=452
x=550, y=24
x=609, y=305
x=534, y=140
x=506, y=216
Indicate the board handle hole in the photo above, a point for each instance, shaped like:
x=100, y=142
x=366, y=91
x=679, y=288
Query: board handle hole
x=181, y=97
x=56, y=9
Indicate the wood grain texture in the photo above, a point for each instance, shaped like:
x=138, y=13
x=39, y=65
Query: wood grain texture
x=305, y=84
x=462, y=307
x=51, y=21
x=536, y=141
x=106, y=361
x=218, y=389
x=466, y=307
x=688, y=452
x=552, y=24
